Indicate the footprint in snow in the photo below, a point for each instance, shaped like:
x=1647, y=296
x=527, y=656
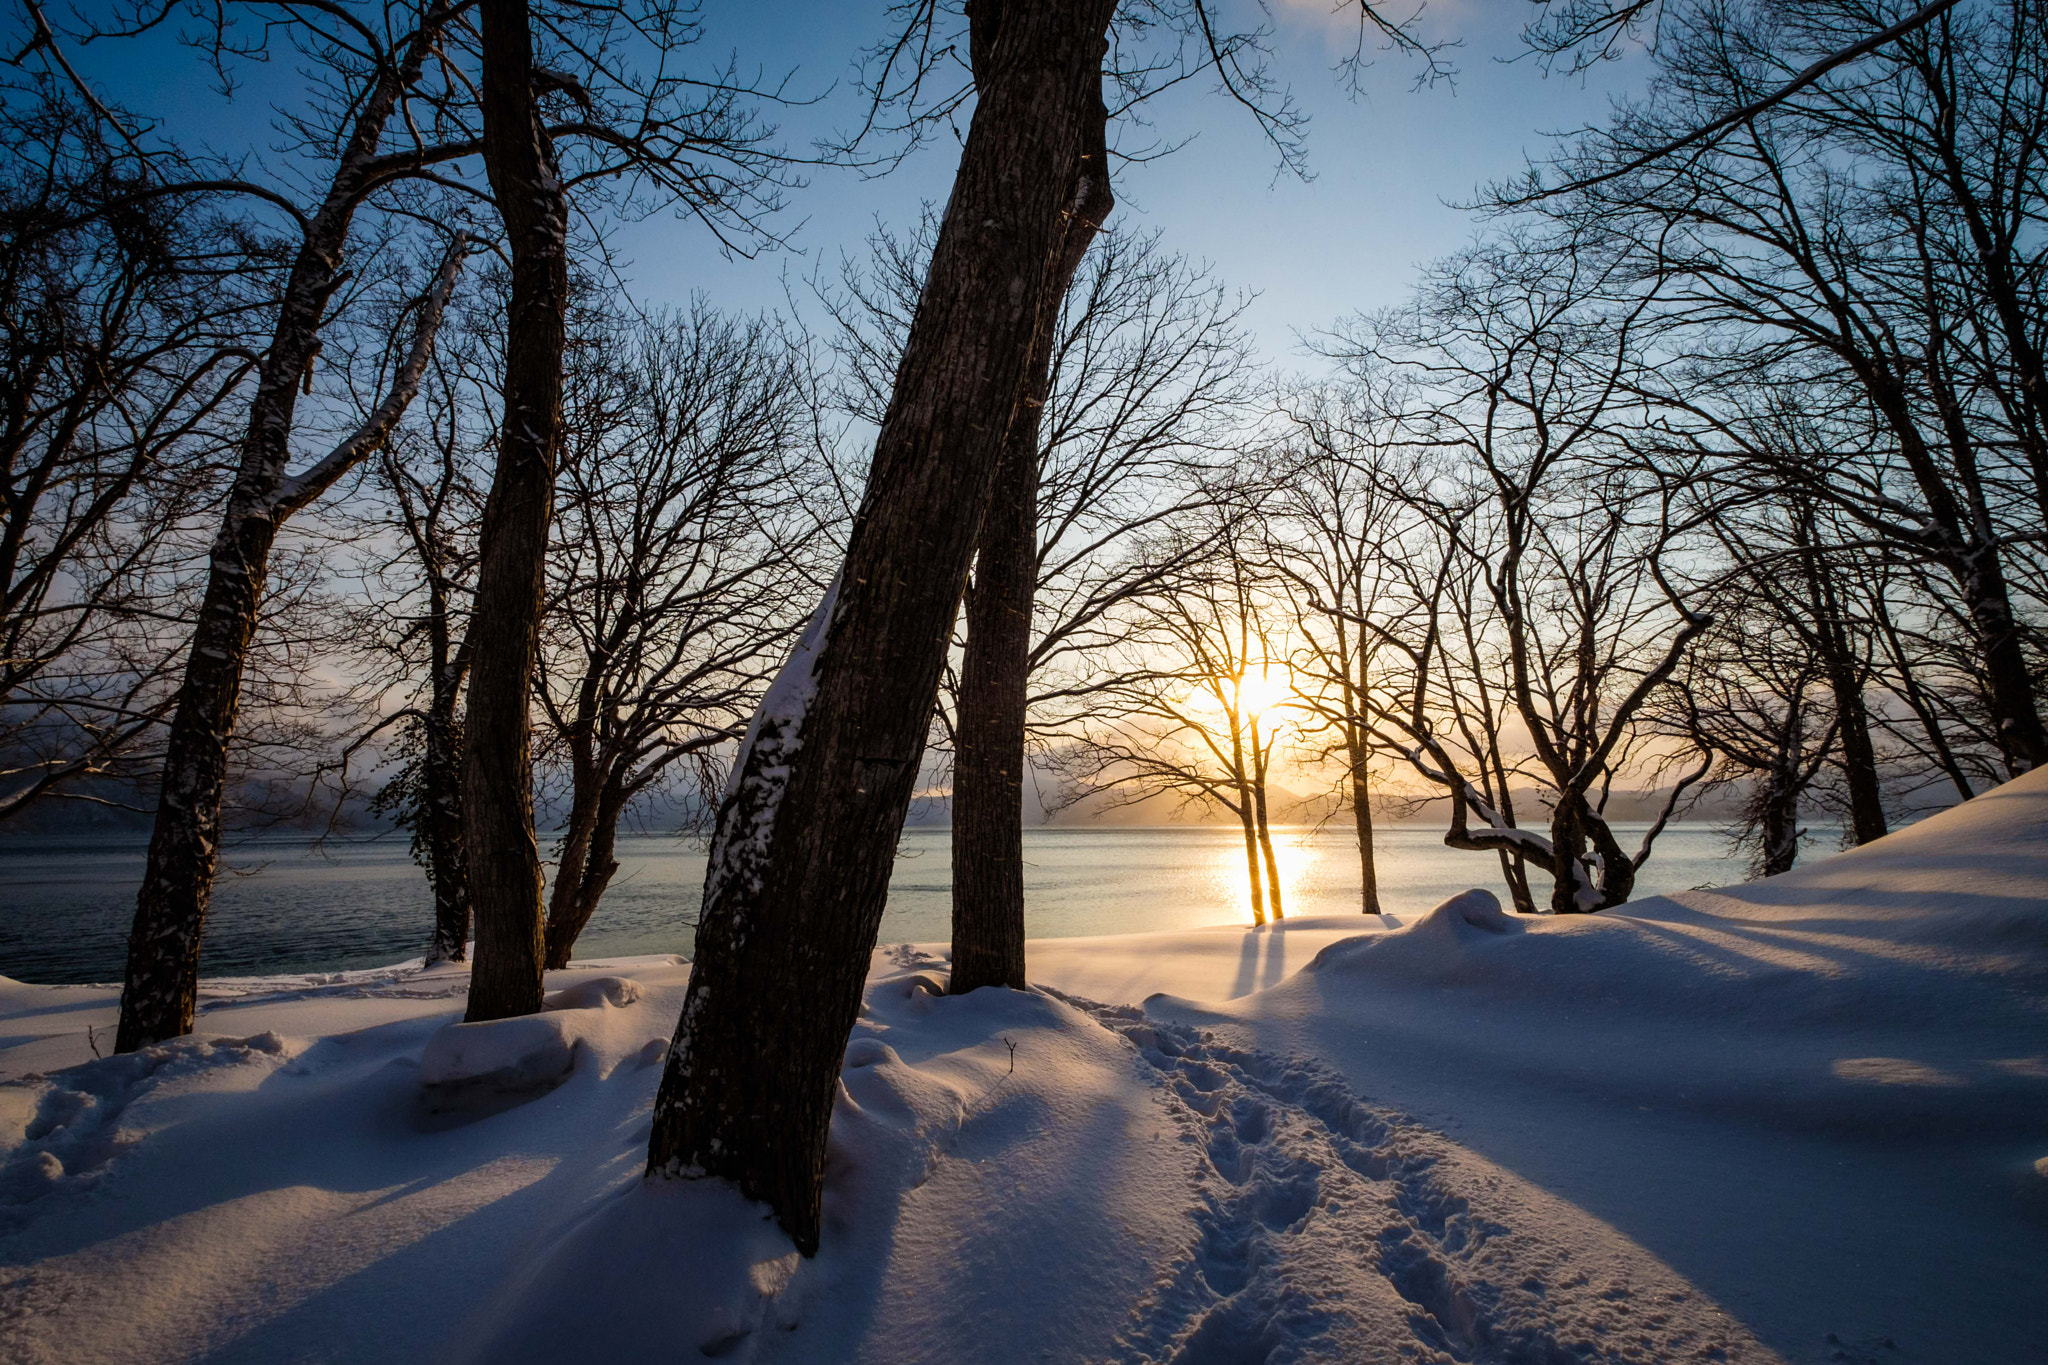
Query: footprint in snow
x=1328, y=1230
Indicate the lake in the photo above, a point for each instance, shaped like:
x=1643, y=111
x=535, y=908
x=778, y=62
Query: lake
x=282, y=906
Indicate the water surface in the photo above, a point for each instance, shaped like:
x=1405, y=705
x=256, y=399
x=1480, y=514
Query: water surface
x=283, y=906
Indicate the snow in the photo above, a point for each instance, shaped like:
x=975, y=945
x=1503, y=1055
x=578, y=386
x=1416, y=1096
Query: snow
x=1800, y=1120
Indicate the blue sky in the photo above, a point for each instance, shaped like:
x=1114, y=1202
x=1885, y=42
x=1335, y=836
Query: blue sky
x=1384, y=165
x=1350, y=238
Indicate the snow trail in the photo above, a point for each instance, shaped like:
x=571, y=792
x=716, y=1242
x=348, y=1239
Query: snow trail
x=1330, y=1229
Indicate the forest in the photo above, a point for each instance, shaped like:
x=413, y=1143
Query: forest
x=348, y=476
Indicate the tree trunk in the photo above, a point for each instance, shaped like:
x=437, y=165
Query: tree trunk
x=160, y=991
x=1361, y=818
x=2008, y=683
x=440, y=812
x=1247, y=815
x=806, y=836
x=1573, y=827
x=1859, y=756
x=497, y=778
x=1778, y=821
x=995, y=675
x=1515, y=872
x=563, y=909
x=1251, y=858
x=1266, y=832
x=988, y=754
x=579, y=889
x=160, y=995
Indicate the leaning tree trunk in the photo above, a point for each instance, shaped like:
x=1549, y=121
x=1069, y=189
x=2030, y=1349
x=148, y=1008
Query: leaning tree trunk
x=497, y=767
x=988, y=751
x=580, y=884
x=807, y=832
x=159, y=995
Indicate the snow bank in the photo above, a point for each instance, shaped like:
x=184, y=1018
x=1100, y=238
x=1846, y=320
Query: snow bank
x=1819, y=1096
x=1803, y=1121
x=508, y=1056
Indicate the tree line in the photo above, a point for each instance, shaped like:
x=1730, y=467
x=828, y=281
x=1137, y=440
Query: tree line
x=1717, y=460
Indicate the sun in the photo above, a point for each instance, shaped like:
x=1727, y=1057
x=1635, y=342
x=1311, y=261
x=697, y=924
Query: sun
x=1259, y=690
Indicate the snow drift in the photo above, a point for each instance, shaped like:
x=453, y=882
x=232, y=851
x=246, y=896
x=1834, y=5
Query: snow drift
x=1801, y=1120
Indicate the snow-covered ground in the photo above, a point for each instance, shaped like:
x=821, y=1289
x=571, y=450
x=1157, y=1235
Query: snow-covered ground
x=1802, y=1120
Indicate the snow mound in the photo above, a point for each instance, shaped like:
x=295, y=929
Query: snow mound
x=972, y=1136
x=1436, y=941
x=529, y=1052
x=1818, y=1094
x=615, y=992
x=63, y=1130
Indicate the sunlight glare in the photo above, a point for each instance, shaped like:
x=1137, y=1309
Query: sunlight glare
x=1291, y=851
x=1261, y=691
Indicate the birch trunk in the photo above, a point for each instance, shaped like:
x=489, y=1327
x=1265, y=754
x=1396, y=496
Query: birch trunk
x=806, y=837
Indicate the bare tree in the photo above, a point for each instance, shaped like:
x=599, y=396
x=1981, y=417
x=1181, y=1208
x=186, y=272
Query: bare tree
x=1549, y=603
x=1144, y=366
x=163, y=955
x=1332, y=532
x=687, y=142
x=497, y=757
x=1197, y=710
x=1754, y=695
x=807, y=827
x=410, y=621
x=1856, y=247
x=118, y=320
x=692, y=518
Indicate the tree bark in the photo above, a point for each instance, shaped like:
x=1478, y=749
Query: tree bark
x=440, y=812
x=159, y=994
x=580, y=883
x=1778, y=820
x=995, y=674
x=1261, y=750
x=1573, y=827
x=1247, y=816
x=504, y=857
x=1859, y=755
x=807, y=832
x=1361, y=819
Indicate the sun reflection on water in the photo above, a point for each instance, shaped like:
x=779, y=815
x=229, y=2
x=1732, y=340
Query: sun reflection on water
x=1293, y=853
